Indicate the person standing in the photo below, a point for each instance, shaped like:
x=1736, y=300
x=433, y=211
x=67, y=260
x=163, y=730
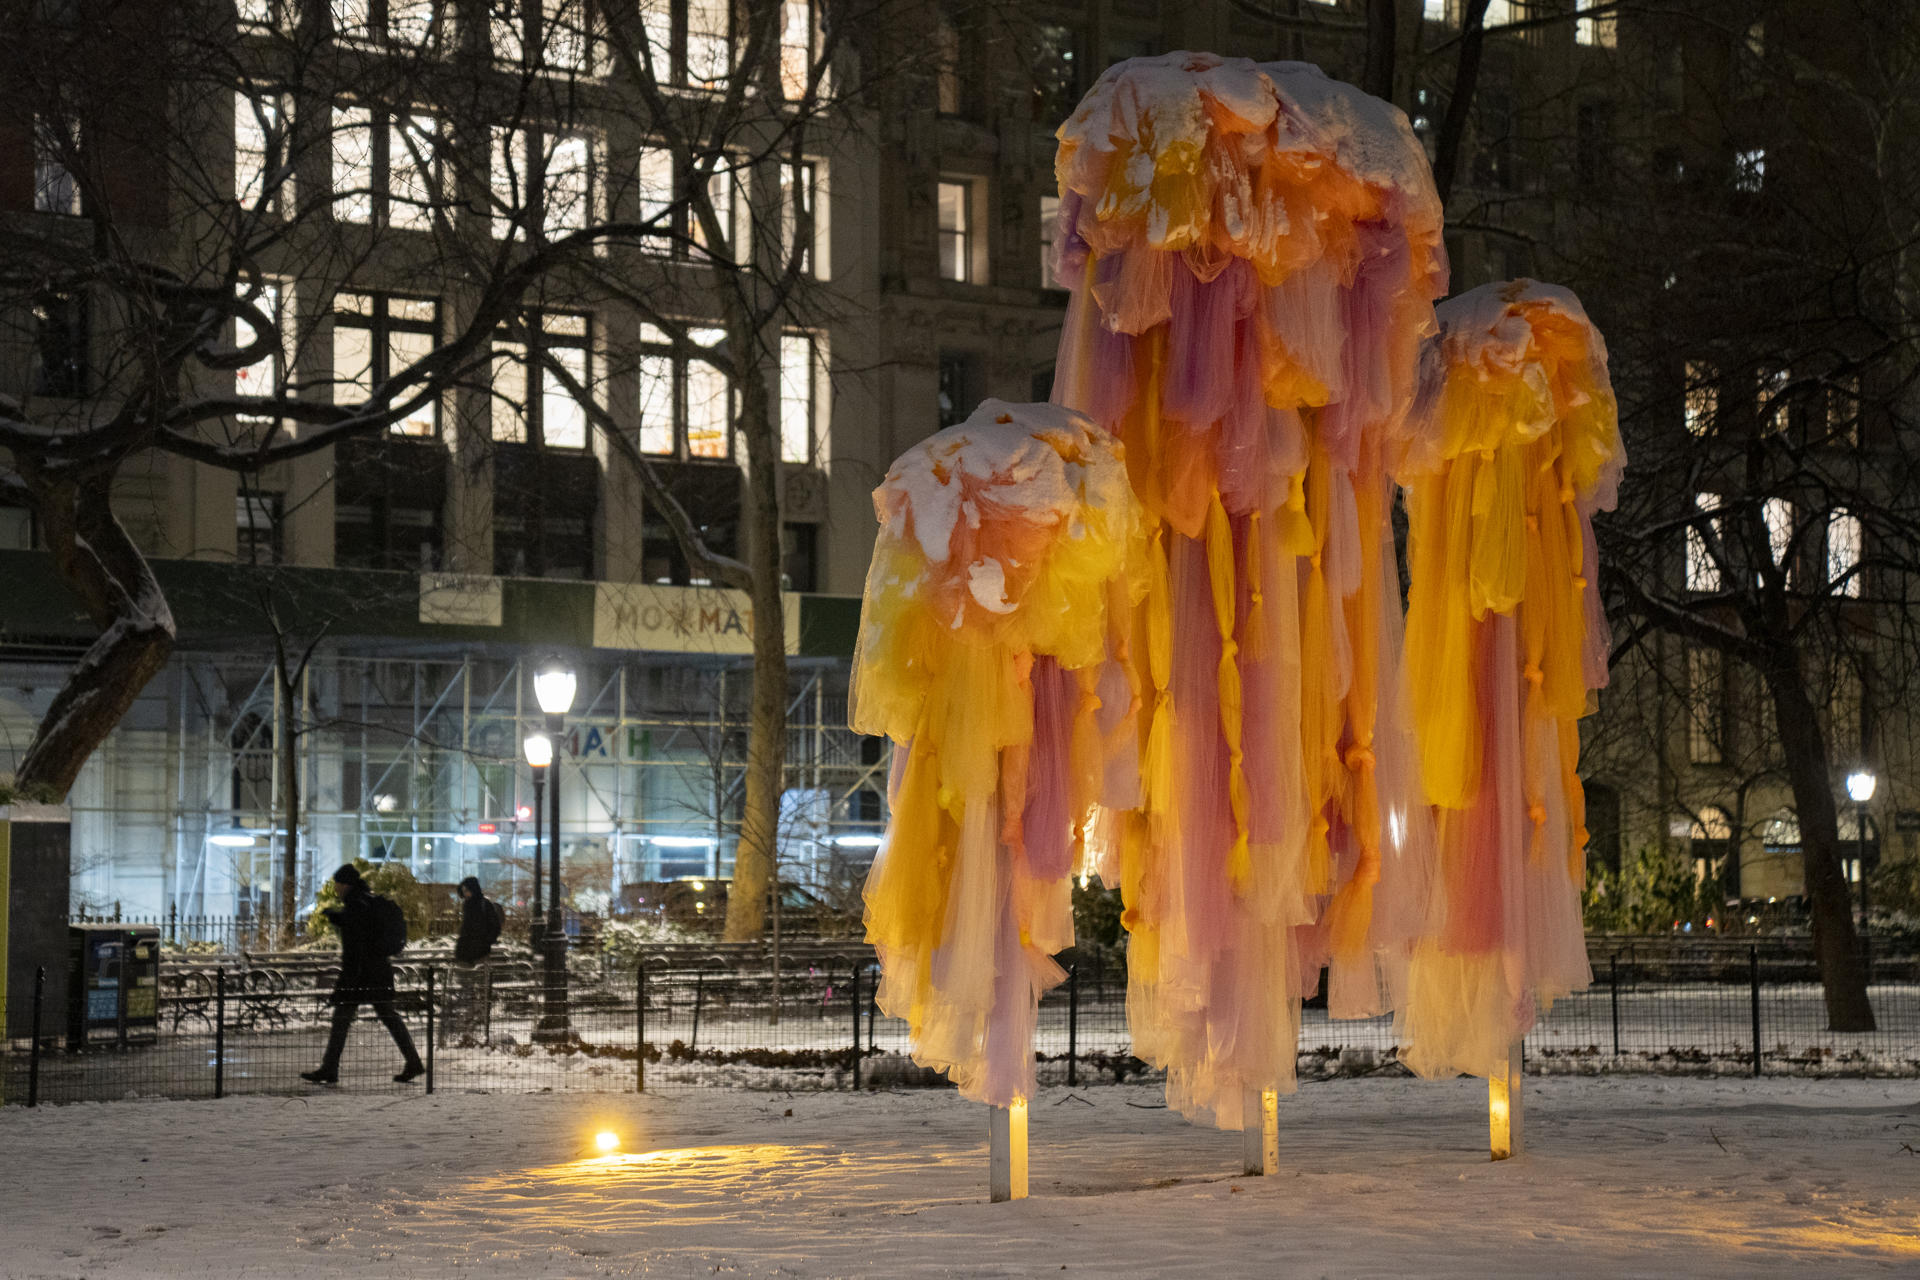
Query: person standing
x=365, y=922
x=480, y=922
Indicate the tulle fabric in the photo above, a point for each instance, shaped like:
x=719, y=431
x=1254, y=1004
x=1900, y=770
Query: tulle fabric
x=1515, y=444
x=996, y=604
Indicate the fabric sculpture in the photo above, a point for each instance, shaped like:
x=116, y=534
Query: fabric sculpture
x=1518, y=445
x=991, y=651
x=1254, y=252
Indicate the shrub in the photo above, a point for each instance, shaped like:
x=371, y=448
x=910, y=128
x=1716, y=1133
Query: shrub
x=389, y=879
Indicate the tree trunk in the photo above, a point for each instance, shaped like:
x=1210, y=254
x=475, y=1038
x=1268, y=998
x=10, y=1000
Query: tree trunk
x=1451, y=140
x=1829, y=904
x=114, y=583
x=767, y=723
x=284, y=741
x=1383, y=40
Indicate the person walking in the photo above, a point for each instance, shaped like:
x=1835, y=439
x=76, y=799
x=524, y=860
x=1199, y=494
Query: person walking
x=481, y=920
x=367, y=947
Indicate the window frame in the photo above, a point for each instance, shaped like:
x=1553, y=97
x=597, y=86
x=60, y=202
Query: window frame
x=534, y=183
x=381, y=325
x=963, y=237
x=382, y=125
x=536, y=323
x=652, y=349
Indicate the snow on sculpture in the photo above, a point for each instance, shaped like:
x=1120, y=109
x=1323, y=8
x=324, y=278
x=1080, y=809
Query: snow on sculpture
x=1254, y=253
x=1517, y=445
x=992, y=645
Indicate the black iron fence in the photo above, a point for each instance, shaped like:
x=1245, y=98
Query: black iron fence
x=692, y=1017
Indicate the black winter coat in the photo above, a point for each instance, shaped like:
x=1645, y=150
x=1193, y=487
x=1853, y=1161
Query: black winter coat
x=365, y=974
x=476, y=924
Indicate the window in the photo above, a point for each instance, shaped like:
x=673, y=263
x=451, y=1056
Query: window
x=387, y=168
x=709, y=42
x=1599, y=30
x=957, y=390
x=799, y=47
x=558, y=32
x=949, y=67
x=377, y=336
x=1499, y=12
x=1049, y=230
x=531, y=404
x=800, y=557
x=256, y=534
x=1436, y=10
x=1056, y=73
x=1706, y=706
x=388, y=495
x=956, y=230
x=1711, y=838
x=1778, y=515
x=261, y=15
x=1843, y=407
x=266, y=377
x=1494, y=163
x=55, y=189
x=710, y=496
x=796, y=196
x=1702, y=397
x=1749, y=169
x=1773, y=403
x=802, y=373
x=665, y=205
x=60, y=344
x=686, y=404
x=1603, y=826
x=543, y=176
x=415, y=24
x=259, y=150
x=1703, y=567
x=1845, y=542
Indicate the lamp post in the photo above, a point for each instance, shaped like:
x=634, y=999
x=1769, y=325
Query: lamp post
x=539, y=752
x=553, y=688
x=1860, y=784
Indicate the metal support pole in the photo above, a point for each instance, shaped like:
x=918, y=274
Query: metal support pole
x=430, y=1013
x=536, y=931
x=1613, y=992
x=33, y=1049
x=1506, y=1110
x=640, y=1027
x=1073, y=1024
x=1753, y=987
x=1866, y=904
x=699, y=999
x=1007, y=1152
x=554, y=1019
x=856, y=1026
x=1260, y=1132
x=219, y=1032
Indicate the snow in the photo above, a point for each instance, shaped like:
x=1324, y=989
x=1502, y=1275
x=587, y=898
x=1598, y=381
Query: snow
x=1372, y=138
x=1378, y=1177
x=1486, y=328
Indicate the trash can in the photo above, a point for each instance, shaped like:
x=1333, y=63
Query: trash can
x=113, y=985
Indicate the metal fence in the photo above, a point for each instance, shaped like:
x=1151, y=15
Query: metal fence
x=687, y=1018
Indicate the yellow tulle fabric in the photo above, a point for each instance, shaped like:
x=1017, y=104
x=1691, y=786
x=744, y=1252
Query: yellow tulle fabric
x=1006, y=545
x=1518, y=444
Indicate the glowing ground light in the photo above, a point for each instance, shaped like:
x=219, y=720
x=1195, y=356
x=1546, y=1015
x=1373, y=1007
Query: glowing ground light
x=607, y=1140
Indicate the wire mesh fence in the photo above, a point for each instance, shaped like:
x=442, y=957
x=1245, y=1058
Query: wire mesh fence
x=693, y=1018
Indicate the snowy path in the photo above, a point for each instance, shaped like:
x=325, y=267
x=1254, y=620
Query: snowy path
x=1628, y=1176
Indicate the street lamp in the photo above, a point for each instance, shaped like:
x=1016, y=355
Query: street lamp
x=553, y=689
x=1860, y=784
x=539, y=752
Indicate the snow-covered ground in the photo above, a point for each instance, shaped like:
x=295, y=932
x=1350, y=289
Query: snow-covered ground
x=1627, y=1176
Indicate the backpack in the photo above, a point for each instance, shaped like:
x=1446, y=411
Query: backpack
x=496, y=921
x=389, y=926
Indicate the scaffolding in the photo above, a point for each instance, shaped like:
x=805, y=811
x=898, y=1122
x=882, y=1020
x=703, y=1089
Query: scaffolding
x=417, y=759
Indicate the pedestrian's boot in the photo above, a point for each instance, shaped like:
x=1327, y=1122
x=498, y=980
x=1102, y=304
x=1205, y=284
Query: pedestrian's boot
x=411, y=1072
x=320, y=1076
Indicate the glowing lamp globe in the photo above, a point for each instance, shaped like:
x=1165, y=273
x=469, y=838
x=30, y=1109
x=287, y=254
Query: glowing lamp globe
x=1860, y=786
x=553, y=689
x=539, y=750
x=607, y=1140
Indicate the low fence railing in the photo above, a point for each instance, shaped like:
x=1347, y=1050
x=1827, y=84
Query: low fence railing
x=684, y=1021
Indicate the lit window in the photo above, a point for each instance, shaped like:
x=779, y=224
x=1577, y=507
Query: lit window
x=956, y=230
x=801, y=377
x=686, y=404
x=562, y=31
x=263, y=15
x=266, y=377
x=1055, y=71
x=1844, y=542
x=532, y=403
x=1773, y=403
x=1703, y=398
x=1499, y=12
x=657, y=208
x=387, y=168
x=1778, y=514
x=377, y=336
x=709, y=42
x=799, y=46
x=1749, y=169
x=726, y=189
x=1436, y=10
x=1049, y=220
x=410, y=23
x=1600, y=30
x=54, y=187
x=259, y=149
x=548, y=175
x=796, y=196
x=1703, y=568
